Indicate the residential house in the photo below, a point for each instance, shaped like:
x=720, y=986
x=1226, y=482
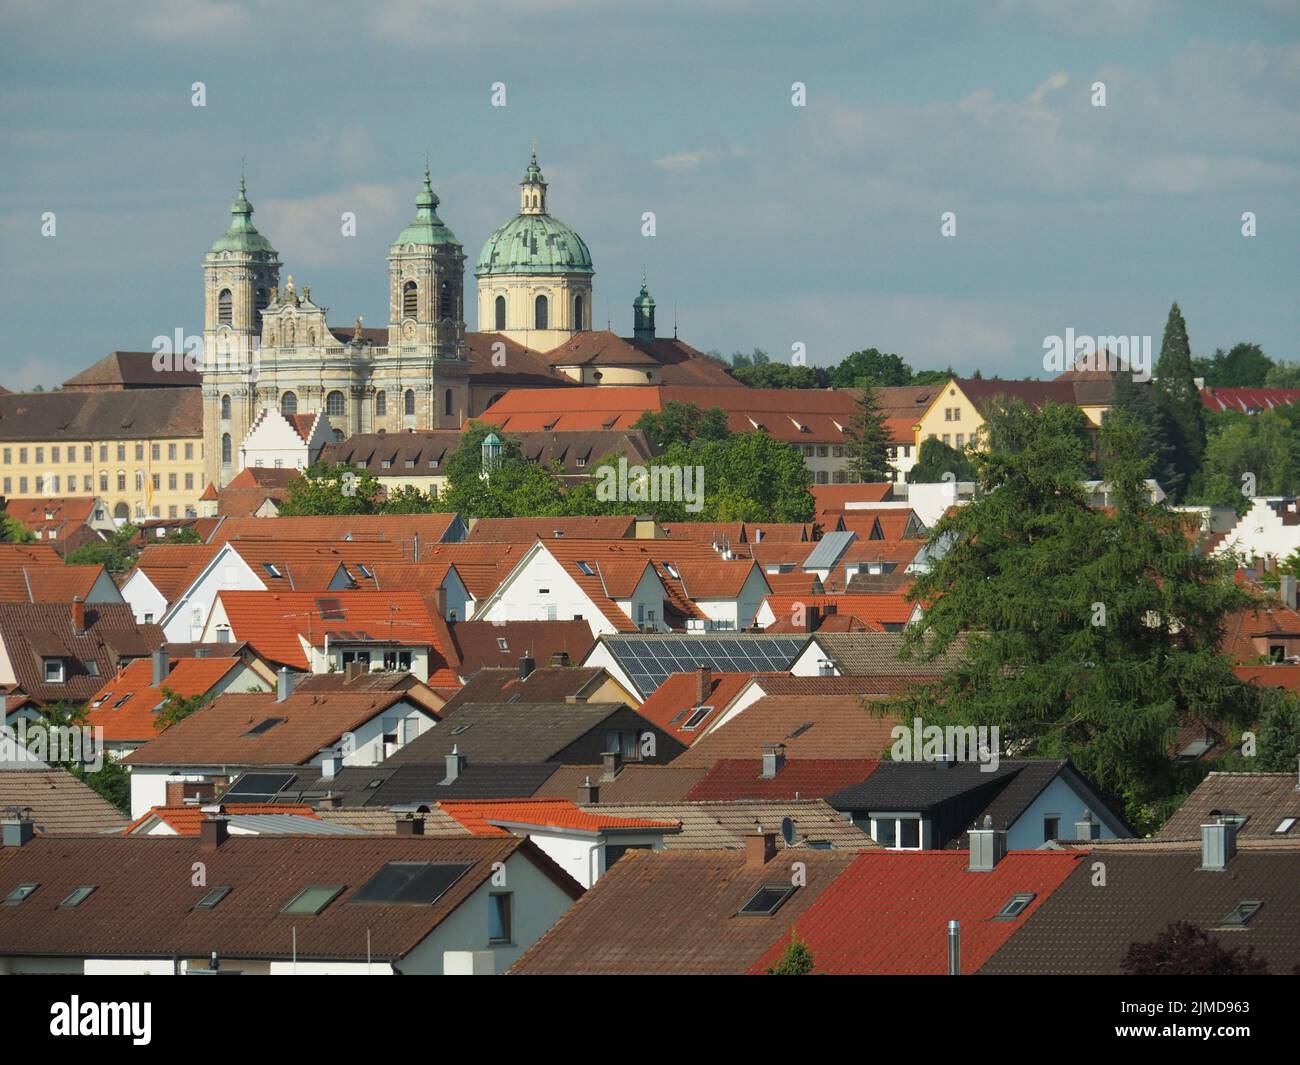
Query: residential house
x=56, y=802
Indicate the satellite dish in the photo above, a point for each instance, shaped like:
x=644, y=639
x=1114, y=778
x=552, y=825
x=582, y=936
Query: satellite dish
x=787, y=831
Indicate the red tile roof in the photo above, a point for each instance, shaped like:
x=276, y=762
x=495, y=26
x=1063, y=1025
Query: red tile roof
x=47, y=584
x=888, y=913
x=275, y=624
x=402, y=529
x=874, y=609
x=832, y=497
x=670, y=704
x=733, y=779
x=485, y=817
x=526, y=530
x=127, y=703
x=1248, y=400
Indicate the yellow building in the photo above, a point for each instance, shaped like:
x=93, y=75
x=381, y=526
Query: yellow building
x=140, y=450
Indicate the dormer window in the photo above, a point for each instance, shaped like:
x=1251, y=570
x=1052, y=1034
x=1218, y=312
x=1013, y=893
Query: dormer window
x=55, y=672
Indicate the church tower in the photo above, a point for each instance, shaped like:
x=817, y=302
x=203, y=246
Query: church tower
x=240, y=275
x=423, y=375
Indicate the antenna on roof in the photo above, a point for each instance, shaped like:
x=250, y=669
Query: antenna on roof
x=674, y=319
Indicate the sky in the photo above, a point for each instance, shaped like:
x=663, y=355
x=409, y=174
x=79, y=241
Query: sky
x=775, y=225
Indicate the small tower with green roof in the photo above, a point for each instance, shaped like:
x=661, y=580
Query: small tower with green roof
x=643, y=314
x=240, y=271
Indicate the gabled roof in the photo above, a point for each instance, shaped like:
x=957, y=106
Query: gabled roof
x=487, y=817
x=1081, y=929
x=246, y=729
x=61, y=804
x=1248, y=400
x=634, y=782
x=676, y=362
x=828, y=727
x=881, y=609
x=674, y=704
x=47, y=584
x=832, y=498
x=265, y=872
x=134, y=414
x=1267, y=800
x=126, y=706
x=487, y=644
x=522, y=367
x=131, y=369
x=526, y=530
x=887, y=914
x=547, y=684
x=877, y=653
x=402, y=529
x=184, y=820
x=649, y=658
x=675, y=912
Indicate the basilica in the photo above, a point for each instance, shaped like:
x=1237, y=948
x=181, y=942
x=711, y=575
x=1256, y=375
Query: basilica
x=270, y=350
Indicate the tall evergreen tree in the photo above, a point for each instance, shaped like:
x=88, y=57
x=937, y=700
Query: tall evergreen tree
x=867, y=439
x=1179, y=404
x=1137, y=400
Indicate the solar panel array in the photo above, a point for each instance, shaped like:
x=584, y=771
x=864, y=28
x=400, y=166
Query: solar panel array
x=649, y=660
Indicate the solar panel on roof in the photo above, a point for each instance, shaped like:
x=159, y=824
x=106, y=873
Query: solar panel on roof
x=411, y=883
x=265, y=784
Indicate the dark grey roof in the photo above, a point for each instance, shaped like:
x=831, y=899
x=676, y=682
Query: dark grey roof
x=389, y=785
x=131, y=414
x=922, y=786
x=1083, y=929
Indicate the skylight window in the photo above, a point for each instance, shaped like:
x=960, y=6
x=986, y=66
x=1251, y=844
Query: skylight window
x=78, y=896
x=800, y=730
x=1284, y=826
x=365, y=571
x=123, y=701
x=20, y=894
x=263, y=727
x=272, y=570
x=693, y=722
x=1015, y=906
x=766, y=900
x=586, y=569
x=459, y=729
x=312, y=899
x=101, y=700
x=210, y=900
x=672, y=571
x=1242, y=913
x=502, y=644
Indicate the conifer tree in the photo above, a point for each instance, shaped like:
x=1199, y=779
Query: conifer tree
x=1179, y=404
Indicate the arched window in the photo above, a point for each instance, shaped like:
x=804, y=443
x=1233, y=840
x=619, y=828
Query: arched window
x=227, y=449
x=334, y=404
x=577, y=312
x=289, y=404
x=410, y=300
x=338, y=436
x=501, y=313
x=225, y=307
x=225, y=408
x=446, y=402
x=539, y=313
x=446, y=302
x=121, y=512
x=409, y=400
x=381, y=404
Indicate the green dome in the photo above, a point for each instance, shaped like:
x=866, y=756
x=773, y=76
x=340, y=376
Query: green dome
x=242, y=236
x=426, y=227
x=534, y=244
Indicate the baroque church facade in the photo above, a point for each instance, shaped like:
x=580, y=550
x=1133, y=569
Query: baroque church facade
x=269, y=348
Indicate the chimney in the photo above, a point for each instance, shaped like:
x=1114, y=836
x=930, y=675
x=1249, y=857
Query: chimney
x=330, y=802
x=416, y=551
x=613, y=762
x=410, y=825
x=456, y=763
x=560, y=658
x=213, y=832
x=526, y=665
x=703, y=684
x=588, y=793
x=1286, y=590
x=954, y=948
x=160, y=666
x=283, y=684
x=773, y=760
x=329, y=763
x=988, y=846
x=78, y=615
x=19, y=828
x=440, y=598
x=351, y=672
x=1218, y=845
x=760, y=848
x=1086, y=827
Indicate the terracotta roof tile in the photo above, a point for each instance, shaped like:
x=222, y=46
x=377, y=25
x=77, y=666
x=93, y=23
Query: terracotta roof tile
x=125, y=707
x=485, y=817
x=61, y=804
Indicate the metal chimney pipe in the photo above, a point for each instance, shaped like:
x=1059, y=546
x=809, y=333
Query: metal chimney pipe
x=954, y=948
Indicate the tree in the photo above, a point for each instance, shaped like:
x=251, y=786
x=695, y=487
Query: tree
x=513, y=487
x=332, y=489
x=1283, y=375
x=1245, y=366
x=177, y=708
x=409, y=500
x=681, y=423
x=1137, y=400
x=757, y=358
x=13, y=531
x=1090, y=634
x=934, y=377
x=871, y=367
x=108, y=779
x=1183, y=949
x=1180, y=406
x=1262, y=447
x=779, y=375
x=934, y=458
x=116, y=553
x=795, y=960
x=867, y=440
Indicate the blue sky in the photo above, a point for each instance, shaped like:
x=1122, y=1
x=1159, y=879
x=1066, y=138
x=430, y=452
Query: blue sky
x=776, y=225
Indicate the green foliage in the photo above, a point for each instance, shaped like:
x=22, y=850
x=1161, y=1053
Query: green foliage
x=1283, y=375
x=867, y=440
x=1179, y=404
x=110, y=780
x=13, y=531
x=795, y=960
x=184, y=535
x=871, y=366
x=409, y=500
x=1029, y=566
x=779, y=375
x=117, y=553
x=747, y=477
x=935, y=458
x=1245, y=366
x=681, y=423
x=177, y=708
x=515, y=487
x=333, y=489
x=1265, y=445
x=758, y=357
